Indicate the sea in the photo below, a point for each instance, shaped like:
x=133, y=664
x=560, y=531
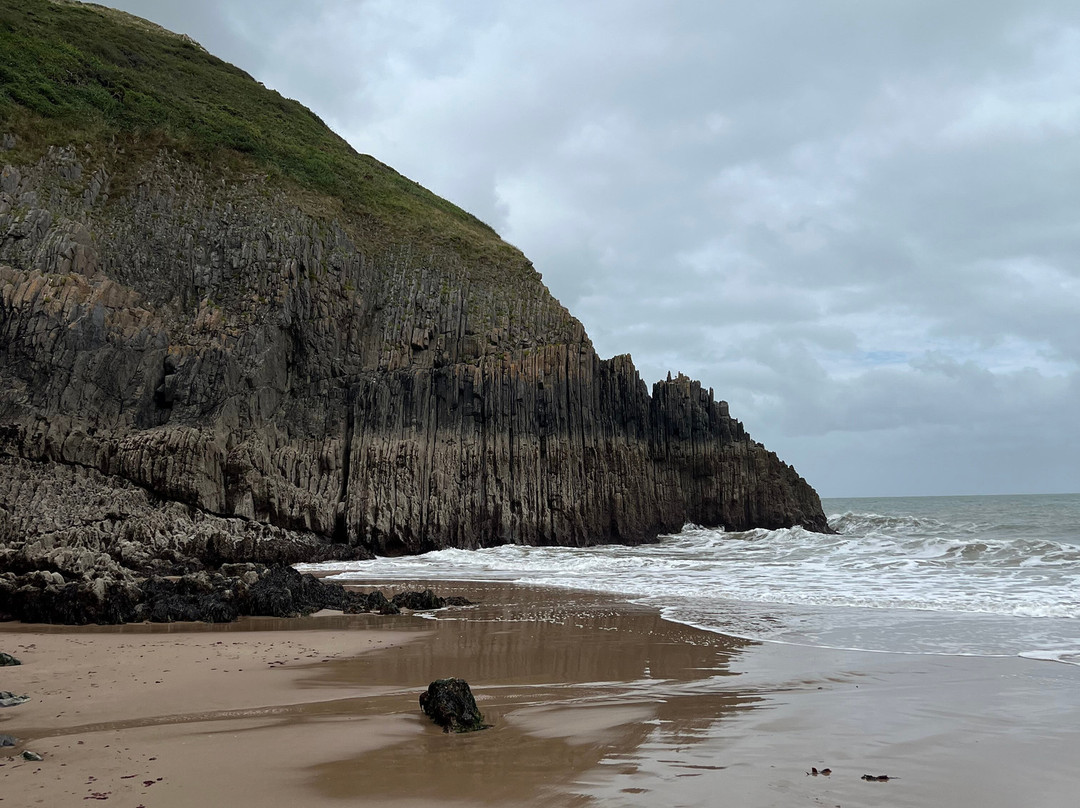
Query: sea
x=958, y=575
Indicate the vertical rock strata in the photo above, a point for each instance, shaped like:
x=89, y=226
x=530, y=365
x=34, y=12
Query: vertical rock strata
x=221, y=347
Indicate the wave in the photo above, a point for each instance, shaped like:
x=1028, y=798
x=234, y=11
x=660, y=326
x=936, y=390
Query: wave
x=1070, y=656
x=852, y=523
x=871, y=569
x=909, y=583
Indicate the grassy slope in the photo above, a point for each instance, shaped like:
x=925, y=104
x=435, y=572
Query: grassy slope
x=75, y=73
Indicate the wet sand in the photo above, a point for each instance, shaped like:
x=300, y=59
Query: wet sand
x=593, y=702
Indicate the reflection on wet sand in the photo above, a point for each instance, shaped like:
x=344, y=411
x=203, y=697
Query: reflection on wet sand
x=569, y=682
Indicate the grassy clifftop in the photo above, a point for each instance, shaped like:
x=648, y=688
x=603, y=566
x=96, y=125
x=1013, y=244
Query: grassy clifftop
x=80, y=73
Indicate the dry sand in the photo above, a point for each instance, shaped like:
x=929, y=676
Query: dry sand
x=180, y=715
x=593, y=702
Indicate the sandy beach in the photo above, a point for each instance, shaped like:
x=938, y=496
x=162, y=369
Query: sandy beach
x=593, y=702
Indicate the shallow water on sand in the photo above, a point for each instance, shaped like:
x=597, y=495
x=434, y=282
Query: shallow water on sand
x=597, y=704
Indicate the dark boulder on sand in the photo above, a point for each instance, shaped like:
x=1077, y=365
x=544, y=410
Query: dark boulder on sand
x=8, y=659
x=423, y=601
x=372, y=602
x=210, y=598
x=450, y=704
x=418, y=601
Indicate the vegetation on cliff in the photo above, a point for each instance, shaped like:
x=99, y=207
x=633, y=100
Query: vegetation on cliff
x=80, y=73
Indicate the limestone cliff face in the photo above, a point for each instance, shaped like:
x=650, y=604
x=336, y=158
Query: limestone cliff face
x=226, y=336
x=215, y=344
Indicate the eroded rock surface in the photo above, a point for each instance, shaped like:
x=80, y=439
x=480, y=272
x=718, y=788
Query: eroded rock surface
x=209, y=364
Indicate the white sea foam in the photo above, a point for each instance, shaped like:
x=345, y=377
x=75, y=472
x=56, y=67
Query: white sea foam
x=1070, y=656
x=876, y=584
x=792, y=566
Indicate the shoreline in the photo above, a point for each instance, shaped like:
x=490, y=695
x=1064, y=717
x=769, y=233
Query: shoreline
x=595, y=701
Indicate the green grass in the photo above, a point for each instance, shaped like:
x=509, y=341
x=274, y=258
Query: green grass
x=80, y=73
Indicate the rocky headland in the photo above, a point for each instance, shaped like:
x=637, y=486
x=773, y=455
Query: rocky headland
x=226, y=337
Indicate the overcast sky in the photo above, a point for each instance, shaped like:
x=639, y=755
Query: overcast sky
x=858, y=221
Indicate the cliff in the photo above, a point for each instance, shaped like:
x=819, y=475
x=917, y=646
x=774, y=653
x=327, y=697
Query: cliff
x=223, y=334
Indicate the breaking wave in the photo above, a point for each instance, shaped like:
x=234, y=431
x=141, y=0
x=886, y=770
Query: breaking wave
x=876, y=584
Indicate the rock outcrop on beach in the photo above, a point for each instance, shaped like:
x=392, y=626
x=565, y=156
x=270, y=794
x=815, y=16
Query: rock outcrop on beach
x=225, y=336
x=450, y=704
x=118, y=595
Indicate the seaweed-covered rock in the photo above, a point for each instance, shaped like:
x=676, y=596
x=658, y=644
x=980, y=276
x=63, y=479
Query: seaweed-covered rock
x=374, y=601
x=281, y=591
x=237, y=589
x=35, y=599
x=377, y=602
x=451, y=705
x=418, y=601
x=201, y=596
x=116, y=596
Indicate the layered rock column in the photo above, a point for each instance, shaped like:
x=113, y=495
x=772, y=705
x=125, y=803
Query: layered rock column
x=558, y=448
x=215, y=345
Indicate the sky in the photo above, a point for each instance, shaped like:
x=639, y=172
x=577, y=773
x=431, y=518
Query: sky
x=858, y=221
